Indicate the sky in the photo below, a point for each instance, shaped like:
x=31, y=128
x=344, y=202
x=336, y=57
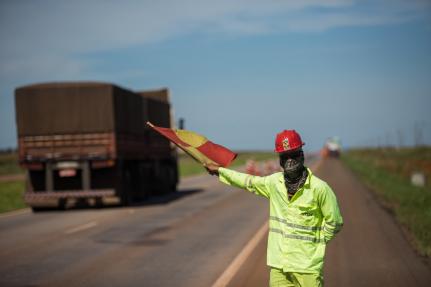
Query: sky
x=239, y=72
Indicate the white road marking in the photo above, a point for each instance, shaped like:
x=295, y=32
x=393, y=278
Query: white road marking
x=236, y=264
x=233, y=268
x=81, y=227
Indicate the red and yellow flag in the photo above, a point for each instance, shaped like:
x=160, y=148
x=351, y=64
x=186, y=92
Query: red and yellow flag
x=197, y=146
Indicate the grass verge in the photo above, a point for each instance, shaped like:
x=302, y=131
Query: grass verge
x=9, y=164
x=11, y=195
x=387, y=173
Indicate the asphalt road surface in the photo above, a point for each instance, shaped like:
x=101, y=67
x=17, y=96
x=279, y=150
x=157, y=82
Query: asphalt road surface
x=192, y=238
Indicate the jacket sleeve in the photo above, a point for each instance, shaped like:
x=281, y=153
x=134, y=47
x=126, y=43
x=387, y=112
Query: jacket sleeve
x=254, y=184
x=333, y=221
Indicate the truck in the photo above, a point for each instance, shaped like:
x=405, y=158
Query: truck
x=88, y=142
x=332, y=147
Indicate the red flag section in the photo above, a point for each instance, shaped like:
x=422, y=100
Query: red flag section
x=198, y=146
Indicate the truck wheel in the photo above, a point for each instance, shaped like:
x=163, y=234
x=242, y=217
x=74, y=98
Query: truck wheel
x=167, y=179
x=99, y=202
x=62, y=202
x=126, y=186
x=173, y=178
x=125, y=199
x=37, y=209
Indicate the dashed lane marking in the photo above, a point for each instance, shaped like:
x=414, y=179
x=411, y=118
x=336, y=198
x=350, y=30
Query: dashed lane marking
x=81, y=227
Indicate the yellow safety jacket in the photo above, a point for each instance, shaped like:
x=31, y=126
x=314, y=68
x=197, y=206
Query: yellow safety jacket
x=299, y=228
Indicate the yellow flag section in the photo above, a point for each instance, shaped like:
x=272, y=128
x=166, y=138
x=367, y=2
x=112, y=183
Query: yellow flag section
x=197, y=146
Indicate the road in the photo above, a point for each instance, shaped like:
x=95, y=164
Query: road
x=191, y=238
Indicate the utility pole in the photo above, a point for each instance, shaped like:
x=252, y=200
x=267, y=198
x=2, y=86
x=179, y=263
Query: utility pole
x=400, y=138
x=181, y=124
x=418, y=134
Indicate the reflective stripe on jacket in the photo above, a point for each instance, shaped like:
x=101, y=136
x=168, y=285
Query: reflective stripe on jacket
x=299, y=228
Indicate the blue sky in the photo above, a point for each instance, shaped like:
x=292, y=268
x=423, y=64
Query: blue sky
x=238, y=71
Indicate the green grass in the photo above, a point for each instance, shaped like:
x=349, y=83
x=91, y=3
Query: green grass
x=11, y=192
x=387, y=173
x=11, y=195
x=9, y=164
x=189, y=166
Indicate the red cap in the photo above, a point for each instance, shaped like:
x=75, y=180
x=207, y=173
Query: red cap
x=288, y=140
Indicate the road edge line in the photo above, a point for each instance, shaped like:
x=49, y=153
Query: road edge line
x=236, y=264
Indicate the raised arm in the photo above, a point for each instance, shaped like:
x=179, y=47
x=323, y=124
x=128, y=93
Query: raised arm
x=255, y=184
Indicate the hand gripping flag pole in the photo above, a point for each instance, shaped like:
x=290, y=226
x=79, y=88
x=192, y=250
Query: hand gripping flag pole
x=197, y=146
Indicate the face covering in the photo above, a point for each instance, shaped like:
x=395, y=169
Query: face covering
x=292, y=164
x=295, y=172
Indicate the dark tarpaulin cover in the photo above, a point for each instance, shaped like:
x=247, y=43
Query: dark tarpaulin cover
x=71, y=108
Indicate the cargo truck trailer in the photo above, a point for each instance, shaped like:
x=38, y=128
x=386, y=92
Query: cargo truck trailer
x=89, y=140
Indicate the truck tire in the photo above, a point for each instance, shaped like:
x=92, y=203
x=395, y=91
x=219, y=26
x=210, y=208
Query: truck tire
x=173, y=177
x=126, y=198
x=98, y=202
x=167, y=179
x=62, y=202
x=37, y=209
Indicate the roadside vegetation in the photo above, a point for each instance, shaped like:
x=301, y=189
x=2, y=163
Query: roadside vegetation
x=9, y=164
x=387, y=173
x=11, y=190
x=11, y=195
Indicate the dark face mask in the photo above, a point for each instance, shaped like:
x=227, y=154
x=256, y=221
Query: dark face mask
x=292, y=164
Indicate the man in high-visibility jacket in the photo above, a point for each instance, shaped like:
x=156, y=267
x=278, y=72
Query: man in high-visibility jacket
x=304, y=214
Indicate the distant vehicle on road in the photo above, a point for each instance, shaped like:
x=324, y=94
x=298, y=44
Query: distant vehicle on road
x=89, y=140
x=332, y=147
